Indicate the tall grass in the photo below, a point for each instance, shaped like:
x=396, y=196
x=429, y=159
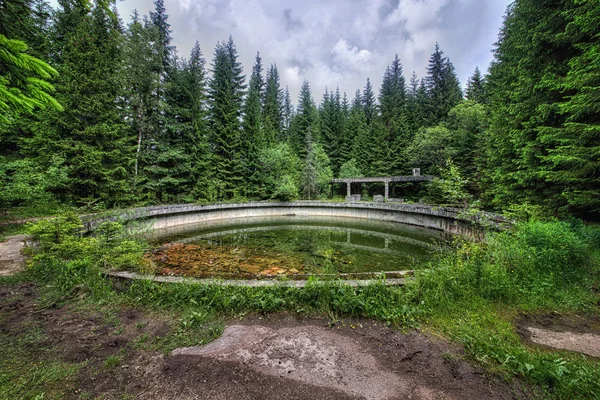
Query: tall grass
x=470, y=293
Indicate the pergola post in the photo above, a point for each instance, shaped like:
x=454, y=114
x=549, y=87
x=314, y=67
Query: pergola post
x=387, y=190
x=348, y=191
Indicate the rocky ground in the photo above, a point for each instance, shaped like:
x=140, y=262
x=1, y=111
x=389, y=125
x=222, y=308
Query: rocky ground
x=274, y=357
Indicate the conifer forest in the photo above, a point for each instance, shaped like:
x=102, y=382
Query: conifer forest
x=99, y=112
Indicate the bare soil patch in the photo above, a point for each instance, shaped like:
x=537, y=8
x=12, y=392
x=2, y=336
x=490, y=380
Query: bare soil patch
x=567, y=332
x=351, y=359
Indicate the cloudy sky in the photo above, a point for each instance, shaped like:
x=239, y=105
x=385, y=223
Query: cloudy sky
x=337, y=42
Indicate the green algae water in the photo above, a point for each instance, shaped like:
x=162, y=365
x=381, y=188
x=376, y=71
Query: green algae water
x=295, y=245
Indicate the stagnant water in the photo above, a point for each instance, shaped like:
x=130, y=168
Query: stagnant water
x=294, y=245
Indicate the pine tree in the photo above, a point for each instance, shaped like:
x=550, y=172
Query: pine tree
x=202, y=171
x=90, y=134
x=443, y=88
x=368, y=99
x=475, y=87
x=252, y=134
x=225, y=94
x=305, y=121
x=273, y=106
x=414, y=104
x=159, y=18
x=392, y=95
x=288, y=115
x=542, y=142
x=359, y=131
x=182, y=168
x=393, y=107
x=347, y=133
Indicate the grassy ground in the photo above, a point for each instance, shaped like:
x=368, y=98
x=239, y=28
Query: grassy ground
x=473, y=295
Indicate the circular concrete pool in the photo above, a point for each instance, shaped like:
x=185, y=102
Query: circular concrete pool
x=291, y=245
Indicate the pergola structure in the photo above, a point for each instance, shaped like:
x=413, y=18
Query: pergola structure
x=386, y=180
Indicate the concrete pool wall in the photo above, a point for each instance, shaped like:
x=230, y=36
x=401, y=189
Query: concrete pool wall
x=447, y=219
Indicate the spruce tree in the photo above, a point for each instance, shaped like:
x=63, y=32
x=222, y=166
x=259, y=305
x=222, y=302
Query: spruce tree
x=475, y=87
x=368, y=99
x=542, y=142
x=273, y=106
x=305, y=121
x=89, y=134
x=252, y=134
x=443, y=88
x=166, y=51
x=202, y=170
x=393, y=108
x=359, y=131
x=225, y=95
x=288, y=115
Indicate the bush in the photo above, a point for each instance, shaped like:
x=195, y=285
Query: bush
x=287, y=190
x=537, y=264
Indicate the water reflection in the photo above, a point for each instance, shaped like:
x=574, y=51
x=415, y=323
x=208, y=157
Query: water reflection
x=350, y=245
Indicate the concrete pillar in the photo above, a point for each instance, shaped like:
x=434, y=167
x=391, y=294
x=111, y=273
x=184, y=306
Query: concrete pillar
x=348, y=189
x=387, y=190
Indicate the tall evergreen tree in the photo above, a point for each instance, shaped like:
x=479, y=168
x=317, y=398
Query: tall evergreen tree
x=141, y=85
x=225, y=94
x=90, y=134
x=368, y=99
x=542, y=145
x=331, y=127
x=359, y=131
x=475, y=87
x=159, y=18
x=252, y=135
x=273, y=106
x=393, y=107
x=443, y=88
x=305, y=121
x=288, y=115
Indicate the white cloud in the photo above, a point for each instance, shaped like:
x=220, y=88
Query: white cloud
x=347, y=56
x=336, y=41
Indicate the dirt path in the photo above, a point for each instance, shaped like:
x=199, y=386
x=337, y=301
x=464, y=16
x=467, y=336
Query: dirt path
x=11, y=259
x=280, y=356
x=360, y=359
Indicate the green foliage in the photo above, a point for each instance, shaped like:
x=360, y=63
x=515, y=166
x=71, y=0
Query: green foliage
x=316, y=172
x=24, y=84
x=252, y=134
x=536, y=265
x=450, y=187
x=350, y=170
x=23, y=182
x=279, y=168
x=273, y=107
x=431, y=148
x=304, y=125
x=542, y=144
